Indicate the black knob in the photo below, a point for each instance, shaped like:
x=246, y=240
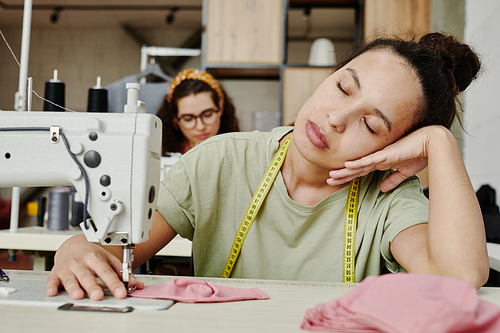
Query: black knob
x=105, y=180
x=92, y=159
x=93, y=136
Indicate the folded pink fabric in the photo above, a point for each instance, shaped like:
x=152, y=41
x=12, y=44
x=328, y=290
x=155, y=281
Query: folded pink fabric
x=406, y=303
x=189, y=290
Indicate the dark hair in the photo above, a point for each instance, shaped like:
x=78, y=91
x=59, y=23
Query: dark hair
x=172, y=138
x=444, y=66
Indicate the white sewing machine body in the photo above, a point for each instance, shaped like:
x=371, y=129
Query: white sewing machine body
x=119, y=152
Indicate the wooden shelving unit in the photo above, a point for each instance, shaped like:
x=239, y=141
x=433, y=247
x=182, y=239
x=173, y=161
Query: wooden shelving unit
x=247, y=39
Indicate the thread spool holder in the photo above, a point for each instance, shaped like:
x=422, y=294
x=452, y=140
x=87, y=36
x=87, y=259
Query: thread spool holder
x=133, y=104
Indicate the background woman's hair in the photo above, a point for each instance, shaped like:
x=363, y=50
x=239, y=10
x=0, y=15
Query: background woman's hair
x=173, y=139
x=444, y=66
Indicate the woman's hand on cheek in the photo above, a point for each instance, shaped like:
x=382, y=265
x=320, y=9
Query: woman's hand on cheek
x=408, y=156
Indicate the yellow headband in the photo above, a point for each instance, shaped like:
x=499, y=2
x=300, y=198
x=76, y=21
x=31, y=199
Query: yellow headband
x=195, y=74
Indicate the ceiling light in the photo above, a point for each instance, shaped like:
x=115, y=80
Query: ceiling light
x=306, y=14
x=54, y=17
x=171, y=15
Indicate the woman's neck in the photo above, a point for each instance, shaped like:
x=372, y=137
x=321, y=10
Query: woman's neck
x=305, y=181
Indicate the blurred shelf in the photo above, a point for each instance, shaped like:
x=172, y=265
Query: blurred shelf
x=42, y=239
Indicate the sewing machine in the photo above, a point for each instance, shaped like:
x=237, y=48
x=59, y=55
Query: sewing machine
x=112, y=159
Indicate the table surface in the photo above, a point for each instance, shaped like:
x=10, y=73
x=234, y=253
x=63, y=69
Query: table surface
x=43, y=239
x=283, y=312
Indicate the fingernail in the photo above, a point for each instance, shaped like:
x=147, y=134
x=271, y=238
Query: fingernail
x=75, y=294
x=120, y=293
x=95, y=294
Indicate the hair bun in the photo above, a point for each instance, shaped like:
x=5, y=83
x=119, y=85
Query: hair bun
x=457, y=57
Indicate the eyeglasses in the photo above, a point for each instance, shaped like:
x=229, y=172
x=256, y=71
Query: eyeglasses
x=189, y=121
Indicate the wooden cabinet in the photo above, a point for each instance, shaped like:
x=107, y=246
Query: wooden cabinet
x=299, y=83
x=400, y=17
x=244, y=32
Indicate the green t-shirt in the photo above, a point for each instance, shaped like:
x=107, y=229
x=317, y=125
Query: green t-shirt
x=206, y=193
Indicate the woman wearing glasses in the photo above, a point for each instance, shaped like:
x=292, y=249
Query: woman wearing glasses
x=195, y=108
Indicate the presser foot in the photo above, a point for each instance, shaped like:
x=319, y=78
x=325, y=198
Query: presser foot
x=128, y=258
x=129, y=288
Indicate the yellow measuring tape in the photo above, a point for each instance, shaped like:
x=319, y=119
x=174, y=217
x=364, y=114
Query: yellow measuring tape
x=259, y=197
x=252, y=210
x=350, y=221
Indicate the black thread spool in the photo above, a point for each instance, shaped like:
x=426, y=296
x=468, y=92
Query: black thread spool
x=54, y=92
x=98, y=98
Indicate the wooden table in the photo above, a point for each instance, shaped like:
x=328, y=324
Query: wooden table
x=283, y=312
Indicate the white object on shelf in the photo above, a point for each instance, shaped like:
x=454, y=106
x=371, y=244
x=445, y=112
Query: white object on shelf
x=322, y=53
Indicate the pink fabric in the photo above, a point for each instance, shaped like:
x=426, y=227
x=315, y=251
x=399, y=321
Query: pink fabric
x=189, y=290
x=406, y=303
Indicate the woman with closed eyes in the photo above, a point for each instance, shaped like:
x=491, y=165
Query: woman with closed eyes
x=345, y=202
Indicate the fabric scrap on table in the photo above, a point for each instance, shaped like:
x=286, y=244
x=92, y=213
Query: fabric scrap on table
x=406, y=303
x=190, y=290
